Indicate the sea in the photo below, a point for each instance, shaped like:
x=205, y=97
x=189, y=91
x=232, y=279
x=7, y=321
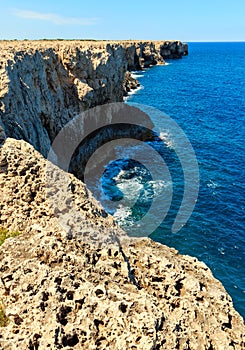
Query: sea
x=204, y=93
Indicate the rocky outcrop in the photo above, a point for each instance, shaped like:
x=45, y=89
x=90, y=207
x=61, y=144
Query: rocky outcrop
x=73, y=279
x=2, y=136
x=43, y=84
x=130, y=83
x=173, y=49
x=92, y=287
x=146, y=54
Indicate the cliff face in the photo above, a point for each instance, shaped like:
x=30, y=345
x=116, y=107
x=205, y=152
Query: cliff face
x=43, y=85
x=73, y=279
x=94, y=288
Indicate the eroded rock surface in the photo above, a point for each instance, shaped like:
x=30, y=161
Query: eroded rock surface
x=44, y=84
x=92, y=287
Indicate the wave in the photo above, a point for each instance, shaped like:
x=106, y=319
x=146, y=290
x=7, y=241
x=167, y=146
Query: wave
x=137, y=71
x=212, y=184
x=167, y=139
x=133, y=92
x=136, y=76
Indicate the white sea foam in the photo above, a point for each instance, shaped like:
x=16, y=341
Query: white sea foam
x=132, y=92
x=167, y=139
x=159, y=185
x=129, y=186
x=122, y=213
x=212, y=184
x=120, y=175
x=136, y=76
x=221, y=250
x=131, y=189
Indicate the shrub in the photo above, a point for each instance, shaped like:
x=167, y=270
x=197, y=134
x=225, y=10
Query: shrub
x=3, y=318
x=4, y=234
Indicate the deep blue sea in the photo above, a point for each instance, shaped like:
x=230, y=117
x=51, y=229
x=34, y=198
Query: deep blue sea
x=205, y=94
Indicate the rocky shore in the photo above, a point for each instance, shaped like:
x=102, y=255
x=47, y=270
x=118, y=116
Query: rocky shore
x=73, y=279
x=44, y=84
x=97, y=289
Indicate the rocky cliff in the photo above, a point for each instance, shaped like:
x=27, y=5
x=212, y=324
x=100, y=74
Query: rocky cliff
x=44, y=84
x=96, y=289
x=73, y=279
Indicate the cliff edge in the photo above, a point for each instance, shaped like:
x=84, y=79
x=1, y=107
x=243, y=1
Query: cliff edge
x=72, y=278
x=96, y=289
x=44, y=84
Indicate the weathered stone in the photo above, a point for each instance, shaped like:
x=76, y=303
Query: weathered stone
x=2, y=136
x=130, y=83
x=44, y=84
x=112, y=292
x=73, y=279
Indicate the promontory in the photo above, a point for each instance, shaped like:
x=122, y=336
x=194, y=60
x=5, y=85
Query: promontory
x=72, y=289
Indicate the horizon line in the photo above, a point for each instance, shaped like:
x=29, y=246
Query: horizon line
x=92, y=39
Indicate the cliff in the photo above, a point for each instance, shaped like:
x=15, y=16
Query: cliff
x=96, y=289
x=44, y=84
x=73, y=279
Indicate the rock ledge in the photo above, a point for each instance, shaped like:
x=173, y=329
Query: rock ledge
x=76, y=293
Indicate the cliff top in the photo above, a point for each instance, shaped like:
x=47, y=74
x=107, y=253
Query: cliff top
x=86, y=41
x=59, y=291
x=32, y=45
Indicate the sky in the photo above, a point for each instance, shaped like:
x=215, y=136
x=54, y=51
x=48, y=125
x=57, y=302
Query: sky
x=185, y=20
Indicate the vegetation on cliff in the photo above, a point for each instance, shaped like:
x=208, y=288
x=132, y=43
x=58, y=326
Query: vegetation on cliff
x=5, y=234
x=4, y=320
x=75, y=279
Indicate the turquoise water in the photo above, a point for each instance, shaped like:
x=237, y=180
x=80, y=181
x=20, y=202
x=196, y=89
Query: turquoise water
x=205, y=94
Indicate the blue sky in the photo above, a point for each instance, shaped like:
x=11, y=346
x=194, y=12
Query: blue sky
x=186, y=20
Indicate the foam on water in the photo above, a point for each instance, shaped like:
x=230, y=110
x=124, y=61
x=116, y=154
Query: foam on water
x=204, y=93
x=136, y=76
x=133, y=92
x=166, y=138
x=122, y=214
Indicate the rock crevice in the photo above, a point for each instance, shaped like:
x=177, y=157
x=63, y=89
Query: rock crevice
x=43, y=84
x=73, y=279
x=99, y=289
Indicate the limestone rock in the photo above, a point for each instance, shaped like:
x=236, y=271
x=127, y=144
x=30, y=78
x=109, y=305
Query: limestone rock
x=96, y=288
x=130, y=83
x=2, y=136
x=44, y=84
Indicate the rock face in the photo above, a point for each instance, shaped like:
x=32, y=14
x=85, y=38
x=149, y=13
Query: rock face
x=73, y=279
x=129, y=82
x=43, y=84
x=94, y=288
x=173, y=49
x=2, y=136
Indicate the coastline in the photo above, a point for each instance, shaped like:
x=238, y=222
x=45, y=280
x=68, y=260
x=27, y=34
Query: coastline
x=73, y=75
x=131, y=292
x=158, y=294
